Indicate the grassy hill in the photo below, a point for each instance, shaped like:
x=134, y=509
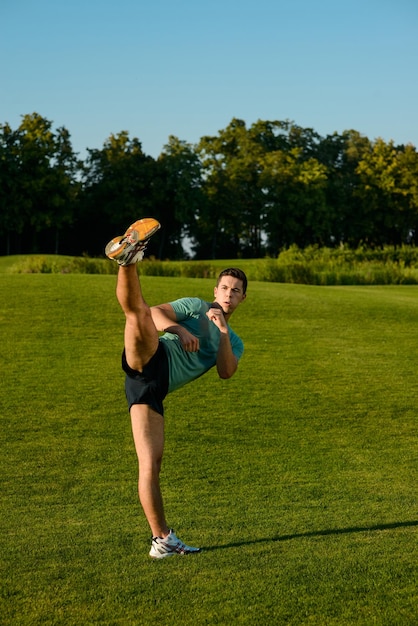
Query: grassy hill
x=297, y=476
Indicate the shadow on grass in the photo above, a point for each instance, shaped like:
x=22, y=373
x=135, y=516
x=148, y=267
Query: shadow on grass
x=317, y=533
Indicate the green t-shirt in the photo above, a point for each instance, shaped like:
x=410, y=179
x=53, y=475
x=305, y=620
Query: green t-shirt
x=186, y=366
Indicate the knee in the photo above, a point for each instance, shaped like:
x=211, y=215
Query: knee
x=150, y=468
x=139, y=317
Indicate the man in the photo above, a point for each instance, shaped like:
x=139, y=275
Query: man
x=196, y=337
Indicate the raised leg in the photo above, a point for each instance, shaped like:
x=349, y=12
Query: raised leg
x=141, y=336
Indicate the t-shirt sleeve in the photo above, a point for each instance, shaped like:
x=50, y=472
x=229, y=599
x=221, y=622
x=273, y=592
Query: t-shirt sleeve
x=236, y=344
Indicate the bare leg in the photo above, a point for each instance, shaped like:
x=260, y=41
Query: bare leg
x=141, y=343
x=141, y=336
x=148, y=432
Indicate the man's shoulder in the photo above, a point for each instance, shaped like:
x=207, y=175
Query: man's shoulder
x=189, y=306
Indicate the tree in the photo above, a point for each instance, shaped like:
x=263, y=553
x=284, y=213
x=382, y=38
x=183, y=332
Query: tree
x=231, y=223
x=181, y=197
x=340, y=154
x=39, y=183
x=118, y=185
x=246, y=192
x=389, y=192
x=12, y=209
x=295, y=200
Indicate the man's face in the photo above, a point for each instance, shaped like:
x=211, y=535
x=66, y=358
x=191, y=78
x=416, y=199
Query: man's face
x=229, y=294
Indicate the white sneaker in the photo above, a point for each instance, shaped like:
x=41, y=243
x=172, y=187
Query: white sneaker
x=170, y=545
x=129, y=248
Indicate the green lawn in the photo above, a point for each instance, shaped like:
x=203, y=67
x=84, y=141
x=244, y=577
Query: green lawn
x=298, y=476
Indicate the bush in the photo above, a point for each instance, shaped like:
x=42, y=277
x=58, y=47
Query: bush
x=310, y=266
x=52, y=264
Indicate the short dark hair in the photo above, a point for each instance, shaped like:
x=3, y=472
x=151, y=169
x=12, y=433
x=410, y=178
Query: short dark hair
x=236, y=273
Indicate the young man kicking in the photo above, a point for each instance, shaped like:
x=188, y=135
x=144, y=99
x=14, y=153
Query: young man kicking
x=196, y=337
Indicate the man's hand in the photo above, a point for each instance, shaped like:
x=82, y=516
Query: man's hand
x=189, y=342
x=216, y=315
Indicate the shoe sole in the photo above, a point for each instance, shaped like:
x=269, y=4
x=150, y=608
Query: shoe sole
x=142, y=229
x=162, y=556
x=156, y=554
x=174, y=553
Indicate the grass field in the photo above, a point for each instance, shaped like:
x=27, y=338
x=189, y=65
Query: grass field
x=298, y=476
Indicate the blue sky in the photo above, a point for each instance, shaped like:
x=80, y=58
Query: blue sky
x=186, y=68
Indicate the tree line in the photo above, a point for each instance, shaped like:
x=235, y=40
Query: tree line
x=247, y=192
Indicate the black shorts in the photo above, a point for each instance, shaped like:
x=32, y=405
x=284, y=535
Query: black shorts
x=149, y=386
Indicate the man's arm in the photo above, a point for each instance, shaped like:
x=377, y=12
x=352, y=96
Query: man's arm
x=226, y=361
x=165, y=320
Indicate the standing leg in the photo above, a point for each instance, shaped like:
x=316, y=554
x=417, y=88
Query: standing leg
x=148, y=433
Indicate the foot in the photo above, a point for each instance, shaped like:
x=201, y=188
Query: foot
x=170, y=545
x=129, y=248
